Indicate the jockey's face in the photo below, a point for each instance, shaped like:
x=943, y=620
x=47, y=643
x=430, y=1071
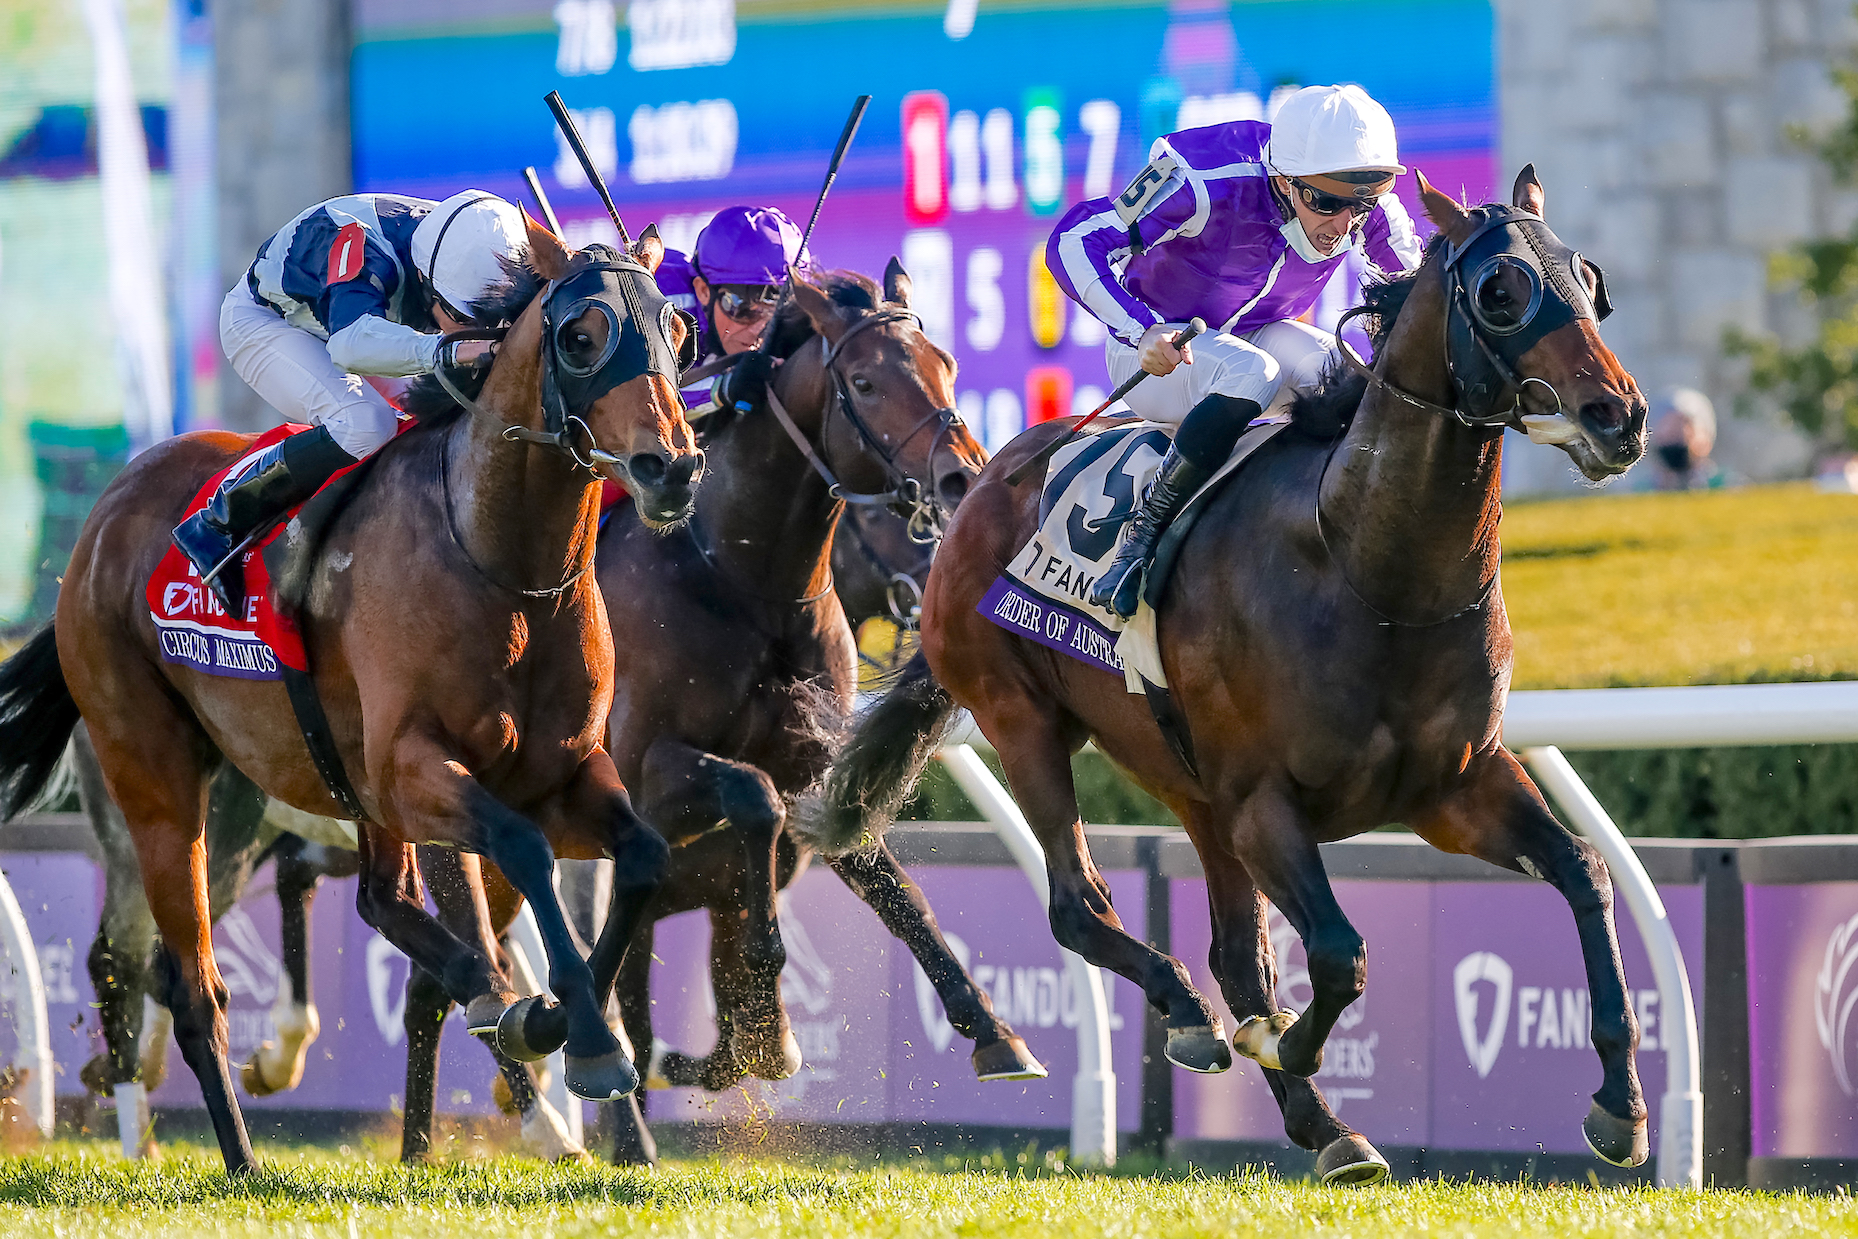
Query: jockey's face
x=754, y=305
x=1326, y=232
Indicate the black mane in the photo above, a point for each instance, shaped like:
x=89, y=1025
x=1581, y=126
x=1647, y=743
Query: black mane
x=425, y=400
x=1327, y=411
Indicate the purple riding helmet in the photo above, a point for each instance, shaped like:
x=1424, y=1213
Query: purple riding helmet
x=744, y=249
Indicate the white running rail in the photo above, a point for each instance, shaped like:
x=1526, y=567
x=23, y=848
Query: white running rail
x=25, y=990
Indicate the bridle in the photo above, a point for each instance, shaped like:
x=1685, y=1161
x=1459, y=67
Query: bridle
x=1506, y=239
x=906, y=495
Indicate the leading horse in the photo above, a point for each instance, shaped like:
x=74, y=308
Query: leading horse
x=1335, y=641
x=460, y=647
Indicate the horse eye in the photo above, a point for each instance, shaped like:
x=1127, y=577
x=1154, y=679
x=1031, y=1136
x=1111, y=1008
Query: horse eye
x=861, y=383
x=583, y=340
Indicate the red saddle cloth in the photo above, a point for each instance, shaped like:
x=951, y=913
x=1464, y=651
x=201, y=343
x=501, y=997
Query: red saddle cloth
x=196, y=631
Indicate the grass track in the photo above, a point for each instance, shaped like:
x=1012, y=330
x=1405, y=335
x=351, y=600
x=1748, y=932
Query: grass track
x=76, y=1193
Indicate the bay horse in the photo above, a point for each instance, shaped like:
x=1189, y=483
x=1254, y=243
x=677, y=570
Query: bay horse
x=735, y=665
x=460, y=647
x=1336, y=643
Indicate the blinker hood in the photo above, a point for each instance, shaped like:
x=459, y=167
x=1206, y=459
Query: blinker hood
x=1484, y=347
x=638, y=338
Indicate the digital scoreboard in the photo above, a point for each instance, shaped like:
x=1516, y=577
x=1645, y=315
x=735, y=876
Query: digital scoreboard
x=988, y=121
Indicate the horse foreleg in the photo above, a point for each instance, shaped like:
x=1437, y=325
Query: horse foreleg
x=1243, y=962
x=1038, y=768
x=277, y=1066
x=1501, y=817
x=427, y=1005
x=631, y=1139
x=874, y=876
x=687, y=791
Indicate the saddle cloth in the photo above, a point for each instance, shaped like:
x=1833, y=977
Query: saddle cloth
x=196, y=631
x=1091, y=491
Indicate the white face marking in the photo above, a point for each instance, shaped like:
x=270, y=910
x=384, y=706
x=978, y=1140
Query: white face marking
x=1528, y=867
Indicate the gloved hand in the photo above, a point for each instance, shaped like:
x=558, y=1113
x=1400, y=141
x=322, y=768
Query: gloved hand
x=745, y=385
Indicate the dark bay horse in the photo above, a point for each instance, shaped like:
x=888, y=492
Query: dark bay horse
x=734, y=666
x=1335, y=640
x=461, y=651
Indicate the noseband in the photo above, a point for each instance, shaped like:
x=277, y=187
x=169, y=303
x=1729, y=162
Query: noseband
x=906, y=495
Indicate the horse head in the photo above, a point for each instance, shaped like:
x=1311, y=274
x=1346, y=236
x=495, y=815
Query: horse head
x=896, y=432
x=1522, y=337
x=608, y=348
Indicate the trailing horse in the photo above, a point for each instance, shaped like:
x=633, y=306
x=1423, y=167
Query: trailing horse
x=1335, y=642
x=460, y=648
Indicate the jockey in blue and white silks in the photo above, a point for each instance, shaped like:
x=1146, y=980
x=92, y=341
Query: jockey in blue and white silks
x=355, y=286
x=1240, y=224
x=731, y=283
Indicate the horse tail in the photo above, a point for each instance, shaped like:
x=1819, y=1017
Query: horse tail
x=37, y=717
x=878, y=768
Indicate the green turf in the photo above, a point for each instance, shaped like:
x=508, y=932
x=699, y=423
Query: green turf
x=1709, y=587
x=82, y=1193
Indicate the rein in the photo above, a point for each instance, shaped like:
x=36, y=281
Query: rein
x=561, y=440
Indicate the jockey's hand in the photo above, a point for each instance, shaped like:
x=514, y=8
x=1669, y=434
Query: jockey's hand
x=1157, y=352
x=746, y=383
x=473, y=352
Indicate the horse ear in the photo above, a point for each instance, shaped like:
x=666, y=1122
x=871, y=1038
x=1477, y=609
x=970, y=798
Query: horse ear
x=896, y=283
x=649, y=248
x=1528, y=191
x=817, y=306
x=548, y=257
x=1452, y=220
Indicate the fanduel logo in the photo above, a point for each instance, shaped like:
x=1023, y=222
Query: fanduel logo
x=1473, y=968
x=1834, y=996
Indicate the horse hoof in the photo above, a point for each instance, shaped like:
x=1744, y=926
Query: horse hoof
x=504, y=1099
x=1257, y=1037
x=1201, y=1048
x=1006, y=1059
x=1621, y=1142
x=529, y=1030
x=1351, y=1161
x=766, y=1062
x=483, y=1012
x=603, y=1077
x=252, y=1076
x=655, y=1077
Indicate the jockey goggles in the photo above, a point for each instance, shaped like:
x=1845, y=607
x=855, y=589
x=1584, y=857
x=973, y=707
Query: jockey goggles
x=733, y=305
x=1327, y=204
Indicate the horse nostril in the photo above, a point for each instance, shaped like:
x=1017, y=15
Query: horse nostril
x=1606, y=416
x=952, y=488
x=685, y=468
x=647, y=468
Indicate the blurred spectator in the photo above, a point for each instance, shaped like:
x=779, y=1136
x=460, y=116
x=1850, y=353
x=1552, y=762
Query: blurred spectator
x=1683, y=425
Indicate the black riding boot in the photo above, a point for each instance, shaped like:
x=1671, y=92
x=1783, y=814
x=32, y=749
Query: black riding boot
x=288, y=472
x=1120, y=586
x=1201, y=446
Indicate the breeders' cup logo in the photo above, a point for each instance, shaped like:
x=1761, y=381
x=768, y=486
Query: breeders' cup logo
x=1834, y=996
x=1474, y=968
x=387, y=969
x=1294, y=991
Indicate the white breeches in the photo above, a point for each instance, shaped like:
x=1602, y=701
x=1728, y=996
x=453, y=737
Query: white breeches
x=1269, y=364
x=292, y=371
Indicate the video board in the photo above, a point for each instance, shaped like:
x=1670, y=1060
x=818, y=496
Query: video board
x=988, y=121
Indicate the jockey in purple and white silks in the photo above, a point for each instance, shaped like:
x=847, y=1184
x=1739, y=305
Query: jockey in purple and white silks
x=731, y=283
x=1240, y=224
x=355, y=286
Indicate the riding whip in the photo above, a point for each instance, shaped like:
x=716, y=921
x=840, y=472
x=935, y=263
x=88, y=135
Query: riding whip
x=548, y=212
x=832, y=174
x=560, y=109
x=1181, y=339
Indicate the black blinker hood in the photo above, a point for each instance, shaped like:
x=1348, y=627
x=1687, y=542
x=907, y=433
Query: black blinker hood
x=638, y=332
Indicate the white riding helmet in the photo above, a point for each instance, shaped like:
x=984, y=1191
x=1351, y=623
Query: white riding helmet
x=462, y=245
x=1328, y=129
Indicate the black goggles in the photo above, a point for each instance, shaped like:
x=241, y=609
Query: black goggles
x=747, y=309
x=1331, y=204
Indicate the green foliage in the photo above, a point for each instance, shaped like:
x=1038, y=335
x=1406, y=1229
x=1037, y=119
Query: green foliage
x=1816, y=383
x=1738, y=793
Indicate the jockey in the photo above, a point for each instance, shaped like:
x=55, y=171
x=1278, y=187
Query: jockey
x=732, y=283
x=354, y=286
x=1240, y=224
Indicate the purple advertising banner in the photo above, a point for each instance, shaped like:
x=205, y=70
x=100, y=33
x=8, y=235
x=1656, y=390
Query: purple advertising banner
x=1803, y=1042
x=877, y=1045
x=1376, y=1064
x=1512, y=1063
x=60, y=895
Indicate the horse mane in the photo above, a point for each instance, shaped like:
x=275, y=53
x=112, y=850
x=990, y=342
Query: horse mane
x=503, y=304
x=1327, y=411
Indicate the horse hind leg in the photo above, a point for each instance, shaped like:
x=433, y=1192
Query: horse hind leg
x=875, y=877
x=277, y=1066
x=628, y=1137
x=1244, y=964
x=1501, y=817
